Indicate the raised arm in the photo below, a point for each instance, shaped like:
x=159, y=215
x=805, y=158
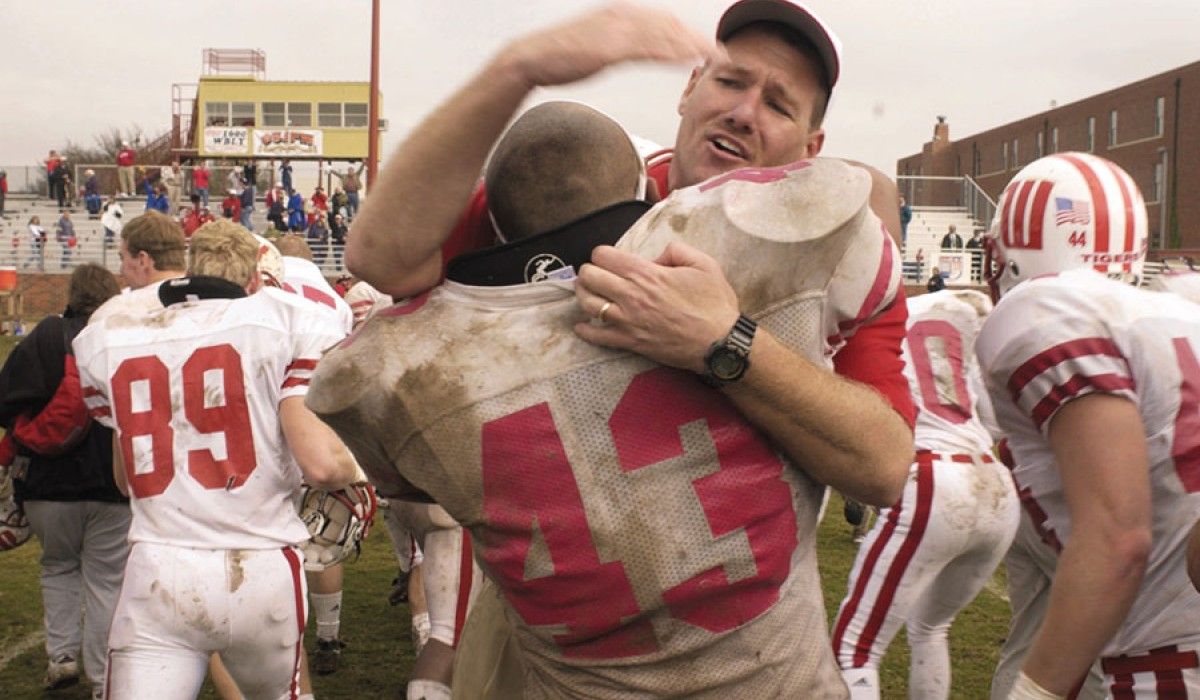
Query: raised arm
x=395, y=241
x=323, y=459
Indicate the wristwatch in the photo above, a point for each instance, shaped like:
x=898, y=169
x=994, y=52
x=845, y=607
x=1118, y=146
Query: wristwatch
x=729, y=358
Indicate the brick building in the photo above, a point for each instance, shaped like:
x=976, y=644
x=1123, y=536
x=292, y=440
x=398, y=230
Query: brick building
x=1151, y=128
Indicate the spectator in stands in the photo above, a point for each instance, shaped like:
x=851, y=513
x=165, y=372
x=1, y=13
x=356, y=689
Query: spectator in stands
x=276, y=201
x=172, y=179
x=249, y=180
x=4, y=189
x=905, y=217
x=156, y=198
x=37, y=244
x=337, y=234
x=976, y=242
x=91, y=193
x=295, y=212
x=64, y=233
x=125, y=158
x=319, y=200
x=975, y=248
x=233, y=180
x=318, y=237
x=51, y=174
x=112, y=219
x=231, y=206
x=200, y=175
x=352, y=184
x=62, y=181
x=285, y=175
x=340, y=203
x=952, y=241
x=68, y=490
x=246, y=200
x=935, y=283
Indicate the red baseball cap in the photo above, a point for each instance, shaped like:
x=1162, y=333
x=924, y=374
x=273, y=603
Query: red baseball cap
x=789, y=14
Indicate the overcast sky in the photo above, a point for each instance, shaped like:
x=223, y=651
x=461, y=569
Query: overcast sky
x=73, y=68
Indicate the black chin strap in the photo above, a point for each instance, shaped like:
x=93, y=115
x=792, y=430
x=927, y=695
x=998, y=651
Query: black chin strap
x=557, y=253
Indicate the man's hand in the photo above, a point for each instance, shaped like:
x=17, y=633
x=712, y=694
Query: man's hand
x=669, y=310
x=615, y=33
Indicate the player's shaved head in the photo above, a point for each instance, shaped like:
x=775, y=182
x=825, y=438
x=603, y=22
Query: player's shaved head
x=293, y=246
x=160, y=237
x=226, y=250
x=556, y=163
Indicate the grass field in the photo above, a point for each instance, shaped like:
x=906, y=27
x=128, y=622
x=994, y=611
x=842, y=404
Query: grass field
x=379, y=656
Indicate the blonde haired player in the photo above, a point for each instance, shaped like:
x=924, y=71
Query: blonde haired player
x=1096, y=385
x=206, y=396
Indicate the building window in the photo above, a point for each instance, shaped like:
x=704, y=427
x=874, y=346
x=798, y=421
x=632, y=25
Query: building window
x=1112, y=128
x=1004, y=153
x=1160, y=115
x=242, y=114
x=356, y=114
x=216, y=114
x=274, y=114
x=299, y=114
x=1054, y=140
x=977, y=166
x=329, y=114
x=1041, y=144
x=1016, y=154
x=1091, y=134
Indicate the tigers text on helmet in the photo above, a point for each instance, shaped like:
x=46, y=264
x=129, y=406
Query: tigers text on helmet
x=1064, y=212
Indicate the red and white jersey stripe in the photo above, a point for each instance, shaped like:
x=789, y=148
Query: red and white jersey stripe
x=1061, y=337
x=303, y=277
x=193, y=392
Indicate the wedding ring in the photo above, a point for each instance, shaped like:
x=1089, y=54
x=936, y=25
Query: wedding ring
x=604, y=308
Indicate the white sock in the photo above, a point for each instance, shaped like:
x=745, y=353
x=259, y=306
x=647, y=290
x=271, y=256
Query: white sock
x=327, y=608
x=862, y=682
x=421, y=628
x=424, y=689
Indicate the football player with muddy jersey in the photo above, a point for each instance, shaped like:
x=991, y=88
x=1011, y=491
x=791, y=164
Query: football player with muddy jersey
x=931, y=553
x=647, y=540
x=206, y=397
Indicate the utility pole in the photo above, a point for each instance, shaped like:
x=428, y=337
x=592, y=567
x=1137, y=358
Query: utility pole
x=373, y=109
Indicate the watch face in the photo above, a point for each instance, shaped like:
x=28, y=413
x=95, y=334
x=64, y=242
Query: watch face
x=726, y=364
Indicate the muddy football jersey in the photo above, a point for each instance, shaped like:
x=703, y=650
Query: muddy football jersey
x=648, y=541
x=193, y=391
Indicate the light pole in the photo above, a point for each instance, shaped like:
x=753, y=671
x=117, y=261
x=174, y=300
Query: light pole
x=373, y=108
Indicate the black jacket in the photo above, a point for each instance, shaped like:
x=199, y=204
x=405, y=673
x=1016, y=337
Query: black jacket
x=28, y=380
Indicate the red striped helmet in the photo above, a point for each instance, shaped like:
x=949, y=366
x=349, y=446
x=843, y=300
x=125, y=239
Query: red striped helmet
x=1064, y=212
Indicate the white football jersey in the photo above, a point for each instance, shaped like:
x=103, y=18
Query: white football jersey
x=303, y=277
x=193, y=392
x=131, y=302
x=942, y=373
x=1060, y=337
x=1185, y=283
x=635, y=522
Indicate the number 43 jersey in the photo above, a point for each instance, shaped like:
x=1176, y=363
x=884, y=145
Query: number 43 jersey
x=648, y=541
x=1056, y=338
x=193, y=392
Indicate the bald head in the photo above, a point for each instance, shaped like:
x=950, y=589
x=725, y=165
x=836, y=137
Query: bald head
x=556, y=163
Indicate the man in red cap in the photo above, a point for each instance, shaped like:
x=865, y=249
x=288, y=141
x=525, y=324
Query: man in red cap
x=756, y=102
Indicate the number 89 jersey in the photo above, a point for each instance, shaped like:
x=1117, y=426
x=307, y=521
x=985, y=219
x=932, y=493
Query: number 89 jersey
x=1056, y=338
x=193, y=392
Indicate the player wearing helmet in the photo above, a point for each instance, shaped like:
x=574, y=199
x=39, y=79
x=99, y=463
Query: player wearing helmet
x=931, y=553
x=1096, y=385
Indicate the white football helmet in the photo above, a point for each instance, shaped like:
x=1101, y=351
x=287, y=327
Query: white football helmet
x=337, y=522
x=270, y=263
x=14, y=526
x=1064, y=212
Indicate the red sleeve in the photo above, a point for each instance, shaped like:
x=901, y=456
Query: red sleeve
x=872, y=356
x=472, y=232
